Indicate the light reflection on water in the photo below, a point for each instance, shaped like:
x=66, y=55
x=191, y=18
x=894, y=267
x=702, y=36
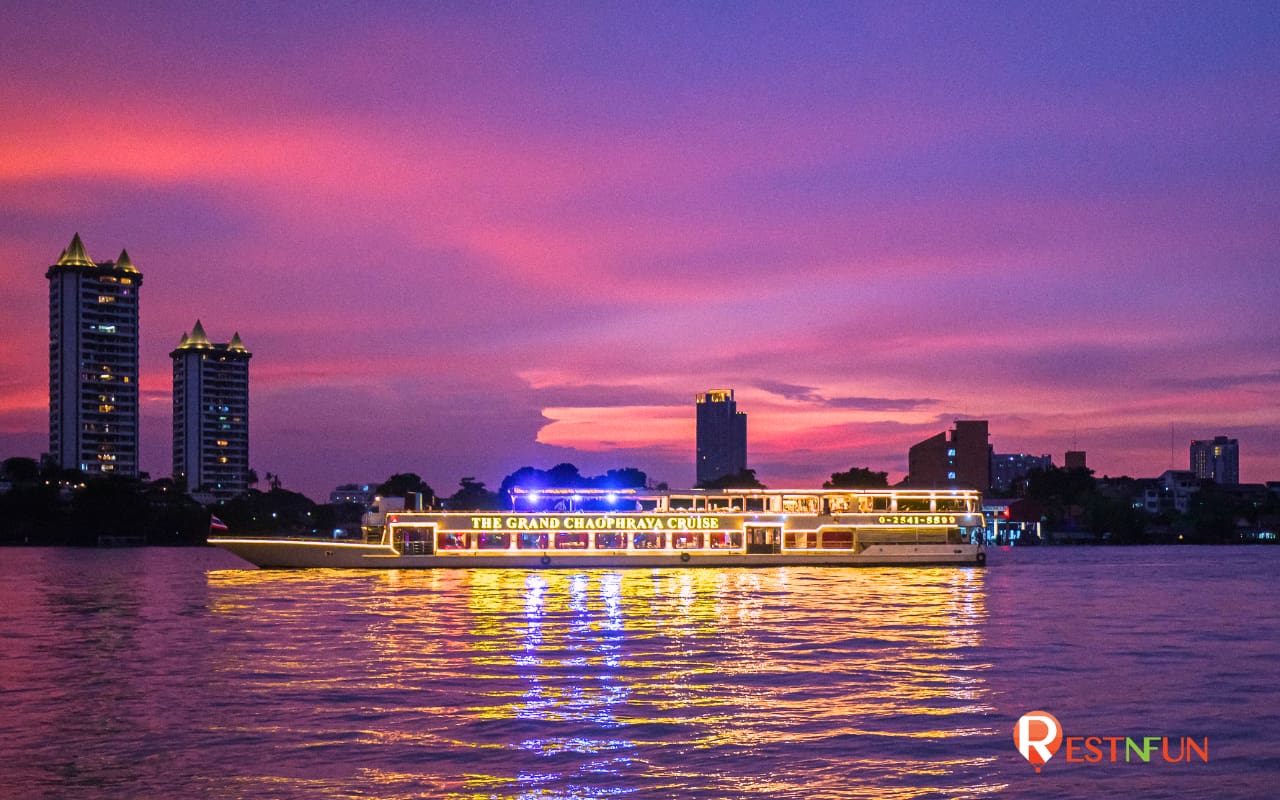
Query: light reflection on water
x=152, y=673
x=653, y=683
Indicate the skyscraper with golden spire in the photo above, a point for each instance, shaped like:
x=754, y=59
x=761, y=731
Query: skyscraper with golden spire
x=211, y=414
x=93, y=362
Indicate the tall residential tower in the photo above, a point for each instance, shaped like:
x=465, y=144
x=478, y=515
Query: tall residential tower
x=1217, y=460
x=211, y=414
x=722, y=436
x=93, y=362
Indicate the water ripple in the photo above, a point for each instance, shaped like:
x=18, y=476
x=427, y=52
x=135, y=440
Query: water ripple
x=162, y=673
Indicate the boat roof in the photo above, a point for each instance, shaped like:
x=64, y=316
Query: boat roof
x=634, y=492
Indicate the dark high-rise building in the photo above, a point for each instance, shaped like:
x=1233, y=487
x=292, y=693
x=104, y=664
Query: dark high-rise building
x=93, y=362
x=960, y=458
x=722, y=436
x=211, y=414
x=1075, y=459
x=1217, y=460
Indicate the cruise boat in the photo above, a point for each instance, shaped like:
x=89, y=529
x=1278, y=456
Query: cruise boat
x=580, y=528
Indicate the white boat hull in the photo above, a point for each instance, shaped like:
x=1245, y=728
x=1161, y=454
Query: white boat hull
x=323, y=554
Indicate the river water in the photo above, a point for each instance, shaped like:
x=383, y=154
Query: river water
x=183, y=673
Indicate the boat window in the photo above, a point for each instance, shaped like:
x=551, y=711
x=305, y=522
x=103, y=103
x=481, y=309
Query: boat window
x=415, y=532
x=880, y=502
x=801, y=540
x=756, y=504
x=913, y=504
x=840, y=504
x=728, y=540
x=870, y=536
x=649, y=541
x=685, y=540
x=611, y=541
x=836, y=539
x=800, y=505
x=680, y=503
x=453, y=541
x=532, y=541
x=494, y=541
x=720, y=504
x=572, y=541
x=951, y=504
x=414, y=540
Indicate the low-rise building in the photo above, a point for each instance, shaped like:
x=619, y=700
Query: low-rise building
x=960, y=457
x=359, y=493
x=1171, y=492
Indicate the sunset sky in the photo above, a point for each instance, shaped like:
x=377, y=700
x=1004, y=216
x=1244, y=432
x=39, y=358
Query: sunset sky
x=461, y=238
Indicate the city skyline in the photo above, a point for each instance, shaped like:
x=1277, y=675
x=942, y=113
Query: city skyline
x=463, y=241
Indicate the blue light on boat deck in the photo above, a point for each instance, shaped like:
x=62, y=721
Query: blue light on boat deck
x=533, y=498
x=611, y=497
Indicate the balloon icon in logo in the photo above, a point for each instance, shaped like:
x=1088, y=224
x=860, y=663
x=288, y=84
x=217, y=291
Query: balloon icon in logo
x=1038, y=736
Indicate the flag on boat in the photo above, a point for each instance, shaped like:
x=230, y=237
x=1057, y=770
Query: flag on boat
x=216, y=524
